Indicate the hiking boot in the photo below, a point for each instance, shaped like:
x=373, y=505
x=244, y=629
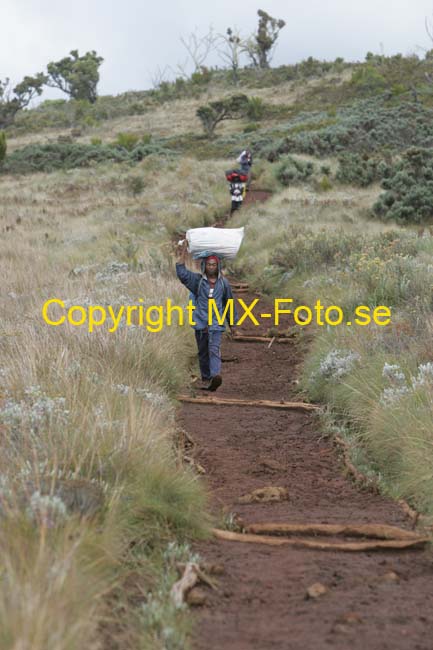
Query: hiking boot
x=215, y=382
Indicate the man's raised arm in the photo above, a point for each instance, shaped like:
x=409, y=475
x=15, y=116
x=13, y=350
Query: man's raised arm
x=188, y=278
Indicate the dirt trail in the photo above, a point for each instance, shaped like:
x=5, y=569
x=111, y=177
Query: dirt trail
x=374, y=599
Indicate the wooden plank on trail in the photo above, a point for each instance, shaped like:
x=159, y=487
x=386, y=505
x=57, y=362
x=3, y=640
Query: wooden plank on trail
x=263, y=403
x=238, y=285
x=301, y=542
x=376, y=531
x=244, y=338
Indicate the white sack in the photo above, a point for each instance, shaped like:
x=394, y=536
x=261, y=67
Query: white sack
x=224, y=242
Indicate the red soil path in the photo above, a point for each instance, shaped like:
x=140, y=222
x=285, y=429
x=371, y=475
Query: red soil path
x=374, y=600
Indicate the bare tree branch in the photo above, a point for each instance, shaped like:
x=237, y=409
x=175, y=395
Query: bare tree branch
x=199, y=47
x=159, y=76
x=230, y=48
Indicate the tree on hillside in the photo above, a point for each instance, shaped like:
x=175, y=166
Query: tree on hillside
x=75, y=75
x=230, y=48
x=260, y=46
x=213, y=113
x=15, y=99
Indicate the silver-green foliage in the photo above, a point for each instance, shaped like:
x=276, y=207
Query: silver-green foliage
x=290, y=170
x=408, y=196
x=361, y=169
x=365, y=127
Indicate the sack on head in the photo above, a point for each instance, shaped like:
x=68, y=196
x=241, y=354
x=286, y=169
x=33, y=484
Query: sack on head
x=224, y=242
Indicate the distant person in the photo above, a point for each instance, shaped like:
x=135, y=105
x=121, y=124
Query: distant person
x=210, y=283
x=237, y=191
x=246, y=162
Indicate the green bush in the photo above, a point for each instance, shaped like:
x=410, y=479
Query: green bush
x=202, y=77
x=368, y=79
x=251, y=127
x=95, y=141
x=408, y=196
x=255, y=109
x=324, y=184
x=312, y=125
x=291, y=171
x=364, y=127
x=135, y=185
x=49, y=157
x=89, y=121
x=127, y=140
x=303, y=249
x=361, y=170
x=3, y=146
x=366, y=257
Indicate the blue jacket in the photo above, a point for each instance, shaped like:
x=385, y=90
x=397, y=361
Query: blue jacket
x=199, y=286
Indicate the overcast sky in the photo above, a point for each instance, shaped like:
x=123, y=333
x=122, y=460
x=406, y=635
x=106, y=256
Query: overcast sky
x=135, y=37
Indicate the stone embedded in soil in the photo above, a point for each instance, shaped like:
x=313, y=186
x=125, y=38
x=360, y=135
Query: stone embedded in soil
x=196, y=597
x=346, y=622
x=391, y=576
x=350, y=618
x=271, y=464
x=265, y=494
x=213, y=569
x=316, y=590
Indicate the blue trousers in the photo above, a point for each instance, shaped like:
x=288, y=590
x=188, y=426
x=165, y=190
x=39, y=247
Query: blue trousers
x=209, y=352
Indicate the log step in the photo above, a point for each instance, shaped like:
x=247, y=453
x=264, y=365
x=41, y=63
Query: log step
x=262, y=403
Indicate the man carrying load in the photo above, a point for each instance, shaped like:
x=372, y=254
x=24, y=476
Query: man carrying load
x=209, y=284
x=237, y=180
x=246, y=162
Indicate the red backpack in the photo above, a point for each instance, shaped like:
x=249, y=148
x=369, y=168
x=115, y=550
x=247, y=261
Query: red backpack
x=236, y=176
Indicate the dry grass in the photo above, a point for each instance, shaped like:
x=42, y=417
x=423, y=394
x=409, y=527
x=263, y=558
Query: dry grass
x=88, y=419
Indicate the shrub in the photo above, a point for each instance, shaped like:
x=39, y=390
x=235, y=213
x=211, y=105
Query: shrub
x=408, y=196
x=65, y=139
x=255, y=108
x=324, y=184
x=95, y=141
x=50, y=157
x=364, y=127
x=249, y=128
x=135, y=185
x=202, y=77
x=90, y=121
x=361, y=170
x=291, y=170
x=127, y=140
x=304, y=249
x=367, y=78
